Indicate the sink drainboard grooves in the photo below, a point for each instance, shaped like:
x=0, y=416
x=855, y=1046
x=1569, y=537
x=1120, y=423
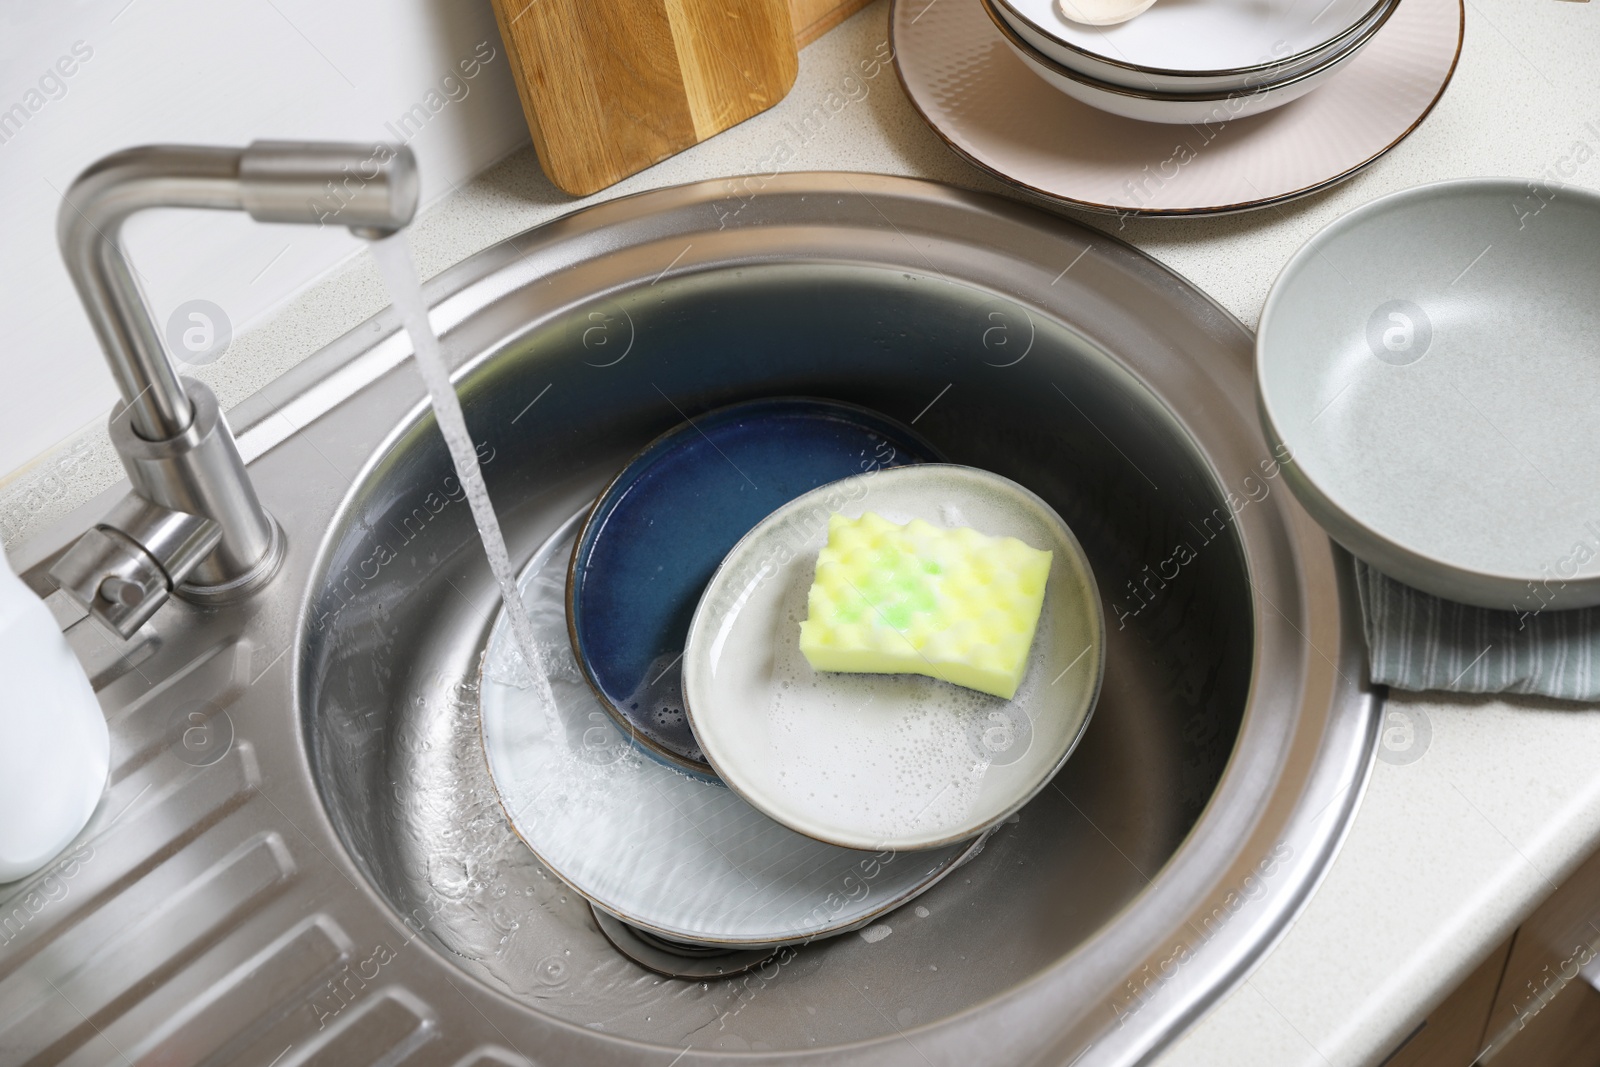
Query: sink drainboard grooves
x=248, y=1000
x=120, y=970
x=95, y=879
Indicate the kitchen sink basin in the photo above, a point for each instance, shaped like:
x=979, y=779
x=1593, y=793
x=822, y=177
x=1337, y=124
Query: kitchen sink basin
x=323, y=872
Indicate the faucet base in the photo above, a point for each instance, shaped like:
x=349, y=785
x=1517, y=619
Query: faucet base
x=198, y=471
x=244, y=584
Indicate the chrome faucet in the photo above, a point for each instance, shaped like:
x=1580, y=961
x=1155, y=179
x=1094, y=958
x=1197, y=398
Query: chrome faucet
x=193, y=526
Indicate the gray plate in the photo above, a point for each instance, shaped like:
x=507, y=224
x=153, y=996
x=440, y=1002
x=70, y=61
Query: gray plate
x=1431, y=362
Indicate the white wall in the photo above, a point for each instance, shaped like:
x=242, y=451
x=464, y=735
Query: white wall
x=208, y=72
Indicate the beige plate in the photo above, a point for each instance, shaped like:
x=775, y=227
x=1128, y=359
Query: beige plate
x=886, y=761
x=980, y=98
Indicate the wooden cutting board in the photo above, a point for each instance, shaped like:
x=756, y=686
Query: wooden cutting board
x=610, y=87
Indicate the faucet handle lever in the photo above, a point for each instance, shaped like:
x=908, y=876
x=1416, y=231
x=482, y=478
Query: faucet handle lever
x=125, y=568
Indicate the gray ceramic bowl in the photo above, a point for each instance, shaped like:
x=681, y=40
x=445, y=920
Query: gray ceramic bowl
x=1432, y=362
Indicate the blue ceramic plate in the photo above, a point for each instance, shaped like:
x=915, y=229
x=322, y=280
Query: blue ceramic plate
x=663, y=526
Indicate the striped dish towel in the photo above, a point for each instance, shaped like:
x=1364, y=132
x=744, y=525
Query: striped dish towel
x=1417, y=641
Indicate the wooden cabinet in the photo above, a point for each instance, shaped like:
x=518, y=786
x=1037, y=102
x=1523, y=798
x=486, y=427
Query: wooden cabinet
x=1546, y=1011
x=1566, y=1033
x=1453, y=1034
x=1527, y=1004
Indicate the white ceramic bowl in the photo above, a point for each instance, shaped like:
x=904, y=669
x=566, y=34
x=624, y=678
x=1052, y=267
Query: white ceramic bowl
x=1200, y=44
x=886, y=761
x=1211, y=108
x=1277, y=66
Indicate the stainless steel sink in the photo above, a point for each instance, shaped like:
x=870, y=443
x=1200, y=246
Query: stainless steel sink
x=301, y=858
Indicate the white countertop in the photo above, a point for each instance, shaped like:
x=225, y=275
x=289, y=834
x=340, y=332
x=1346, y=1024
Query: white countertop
x=1447, y=853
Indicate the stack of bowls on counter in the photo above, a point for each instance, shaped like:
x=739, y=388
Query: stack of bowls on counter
x=1191, y=61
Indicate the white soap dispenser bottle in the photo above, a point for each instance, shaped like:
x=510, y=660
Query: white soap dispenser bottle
x=54, y=747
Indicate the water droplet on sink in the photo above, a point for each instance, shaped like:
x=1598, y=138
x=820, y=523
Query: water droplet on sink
x=551, y=971
x=877, y=932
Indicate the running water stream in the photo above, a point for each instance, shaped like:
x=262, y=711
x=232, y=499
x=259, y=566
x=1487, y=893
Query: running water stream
x=399, y=273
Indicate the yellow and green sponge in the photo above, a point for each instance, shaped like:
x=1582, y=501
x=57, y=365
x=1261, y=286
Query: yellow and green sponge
x=956, y=605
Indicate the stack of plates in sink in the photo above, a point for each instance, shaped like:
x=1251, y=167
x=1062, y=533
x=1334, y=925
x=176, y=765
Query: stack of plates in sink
x=800, y=804
x=674, y=854
x=1191, y=62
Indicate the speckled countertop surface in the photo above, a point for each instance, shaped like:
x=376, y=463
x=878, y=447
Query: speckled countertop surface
x=1448, y=851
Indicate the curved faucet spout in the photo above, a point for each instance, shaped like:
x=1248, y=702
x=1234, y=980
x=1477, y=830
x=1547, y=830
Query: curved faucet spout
x=363, y=187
